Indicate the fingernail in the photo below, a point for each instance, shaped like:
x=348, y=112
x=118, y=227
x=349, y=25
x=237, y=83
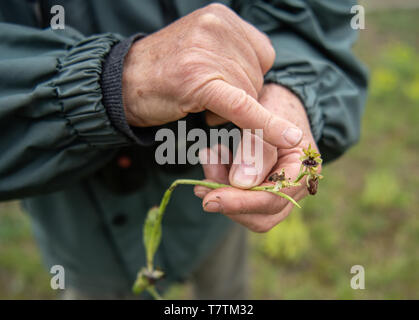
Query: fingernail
x=293, y=136
x=245, y=175
x=212, y=206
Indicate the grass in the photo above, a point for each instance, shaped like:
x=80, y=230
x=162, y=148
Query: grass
x=366, y=207
x=365, y=212
x=22, y=275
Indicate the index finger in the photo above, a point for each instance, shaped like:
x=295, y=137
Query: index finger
x=240, y=108
x=262, y=46
x=258, y=40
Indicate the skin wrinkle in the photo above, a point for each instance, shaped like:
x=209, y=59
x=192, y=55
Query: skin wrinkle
x=212, y=30
x=257, y=82
x=260, y=211
x=181, y=72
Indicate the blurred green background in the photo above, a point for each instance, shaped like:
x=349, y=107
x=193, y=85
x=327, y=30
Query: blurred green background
x=365, y=212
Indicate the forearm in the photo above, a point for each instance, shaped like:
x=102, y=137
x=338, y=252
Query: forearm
x=55, y=129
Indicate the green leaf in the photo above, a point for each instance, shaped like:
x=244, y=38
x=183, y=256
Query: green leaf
x=152, y=234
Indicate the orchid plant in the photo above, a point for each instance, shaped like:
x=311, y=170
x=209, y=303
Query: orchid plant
x=152, y=233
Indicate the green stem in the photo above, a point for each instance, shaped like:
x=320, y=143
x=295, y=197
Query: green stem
x=214, y=185
x=301, y=175
x=152, y=227
x=285, y=196
x=153, y=292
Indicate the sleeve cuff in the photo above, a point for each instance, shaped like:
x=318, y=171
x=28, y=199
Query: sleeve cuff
x=111, y=82
x=298, y=82
x=79, y=94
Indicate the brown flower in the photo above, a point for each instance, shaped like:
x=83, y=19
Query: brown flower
x=313, y=183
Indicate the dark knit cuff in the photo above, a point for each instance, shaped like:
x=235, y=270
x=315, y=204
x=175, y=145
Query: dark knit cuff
x=111, y=82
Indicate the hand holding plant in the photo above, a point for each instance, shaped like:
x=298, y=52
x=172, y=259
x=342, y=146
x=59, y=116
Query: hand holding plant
x=261, y=211
x=152, y=233
x=260, y=205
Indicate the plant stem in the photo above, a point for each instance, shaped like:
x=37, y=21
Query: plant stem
x=214, y=185
x=153, y=229
x=153, y=292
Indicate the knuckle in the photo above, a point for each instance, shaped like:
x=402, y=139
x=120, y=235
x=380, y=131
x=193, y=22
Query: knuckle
x=185, y=61
x=240, y=102
x=279, y=206
x=275, y=206
x=271, y=208
x=269, y=122
x=212, y=84
x=239, y=207
x=212, y=15
x=208, y=20
x=217, y=8
x=259, y=84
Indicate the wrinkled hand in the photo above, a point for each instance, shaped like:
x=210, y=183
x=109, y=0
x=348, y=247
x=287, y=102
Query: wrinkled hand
x=260, y=211
x=208, y=60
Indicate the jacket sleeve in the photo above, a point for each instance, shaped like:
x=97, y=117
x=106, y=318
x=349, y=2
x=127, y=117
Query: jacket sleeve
x=313, y=41
x=54, y=127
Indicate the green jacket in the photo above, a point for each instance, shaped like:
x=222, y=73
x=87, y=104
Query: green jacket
x=59, y=150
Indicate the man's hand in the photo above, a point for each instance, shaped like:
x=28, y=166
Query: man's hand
x=260, y=211
x=209, y=60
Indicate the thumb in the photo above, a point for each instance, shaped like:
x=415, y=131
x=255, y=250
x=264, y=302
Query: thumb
x=249, y=170
x=215, y=168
